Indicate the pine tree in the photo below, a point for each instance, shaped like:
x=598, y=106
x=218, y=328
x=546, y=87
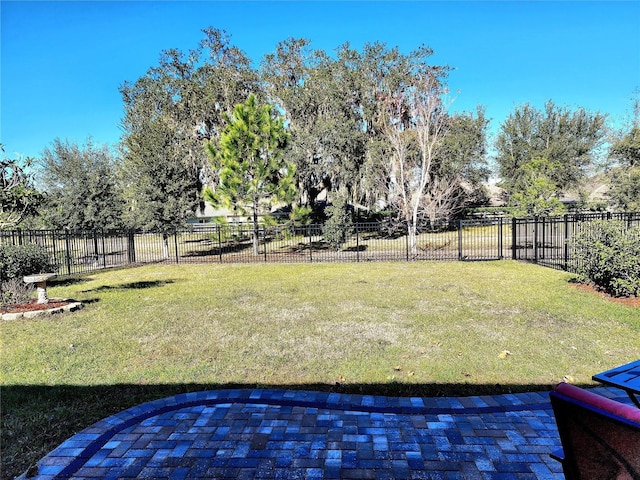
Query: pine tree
x=248, y=163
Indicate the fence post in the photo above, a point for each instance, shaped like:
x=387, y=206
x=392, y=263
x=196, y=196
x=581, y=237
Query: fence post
x=131, y=246
x=175, y=242
x=500, y=238
x=95, y=245
x=68, y=249
x=407, y=242
x=310, y=243
x=460, y=239
x=357, y=244
x=104, y=252
x=566, y=242
x=264, y=241
x=53, y=243
x=219, y=242
x=535, y=240
x=544, y=237
x=514, y=238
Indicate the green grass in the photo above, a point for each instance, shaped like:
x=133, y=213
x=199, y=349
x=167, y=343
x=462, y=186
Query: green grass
x=385, y=328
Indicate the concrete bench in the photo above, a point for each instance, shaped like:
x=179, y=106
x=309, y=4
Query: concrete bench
x=40, y=280
x=600, y=437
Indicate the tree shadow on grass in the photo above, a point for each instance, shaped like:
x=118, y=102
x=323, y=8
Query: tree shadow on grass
x=67, y=281
x=131, y=286
x=359, y=248
x=214, y=251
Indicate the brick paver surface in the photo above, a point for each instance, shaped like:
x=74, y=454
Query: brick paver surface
x=292, y=434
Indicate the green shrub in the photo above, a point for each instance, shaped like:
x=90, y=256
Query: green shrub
x=17, y=261
x=608, y=255
x=339, y=226
x=15, y=291
x=301, y=215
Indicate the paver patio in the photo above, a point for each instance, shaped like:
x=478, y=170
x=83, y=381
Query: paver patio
x=245, y=434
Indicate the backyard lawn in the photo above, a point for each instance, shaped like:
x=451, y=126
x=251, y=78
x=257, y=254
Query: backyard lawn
x=420, y=328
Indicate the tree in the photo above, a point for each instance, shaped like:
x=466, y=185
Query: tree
x=319, y=98
x=188, y=97
x=538, y=195
x=625, y=188
x=339, y=224
x=81, y=186
x=18, y=196
x=464, y=147
x=457, y=164
x=248, y=162
x=160, y=191
x=626, y=150
x=460, y=167
x=625, y=175
x=416, y=121
x=337, y=112
x=565, y=138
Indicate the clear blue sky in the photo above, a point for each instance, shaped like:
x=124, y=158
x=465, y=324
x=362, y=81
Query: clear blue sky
x=62, y=62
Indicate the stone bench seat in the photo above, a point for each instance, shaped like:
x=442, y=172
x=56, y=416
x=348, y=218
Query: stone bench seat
x=40, y=279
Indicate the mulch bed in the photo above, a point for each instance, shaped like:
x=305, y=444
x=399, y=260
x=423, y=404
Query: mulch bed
x=628, y=301
x=34, y=306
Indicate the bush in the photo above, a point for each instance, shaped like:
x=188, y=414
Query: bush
x=15, y=291
x=339, y=226
x=608, y=255
x=301, y=215
x=17, y=261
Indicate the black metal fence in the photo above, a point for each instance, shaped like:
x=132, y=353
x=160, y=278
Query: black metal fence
x=545, y=241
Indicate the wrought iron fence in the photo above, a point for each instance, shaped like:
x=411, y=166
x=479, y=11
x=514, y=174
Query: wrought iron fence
x=545, y=241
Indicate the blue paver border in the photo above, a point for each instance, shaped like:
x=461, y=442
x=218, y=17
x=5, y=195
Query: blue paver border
x=75, y=452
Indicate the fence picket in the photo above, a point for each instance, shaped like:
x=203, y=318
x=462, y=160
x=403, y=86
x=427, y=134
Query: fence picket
x=545, y=241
